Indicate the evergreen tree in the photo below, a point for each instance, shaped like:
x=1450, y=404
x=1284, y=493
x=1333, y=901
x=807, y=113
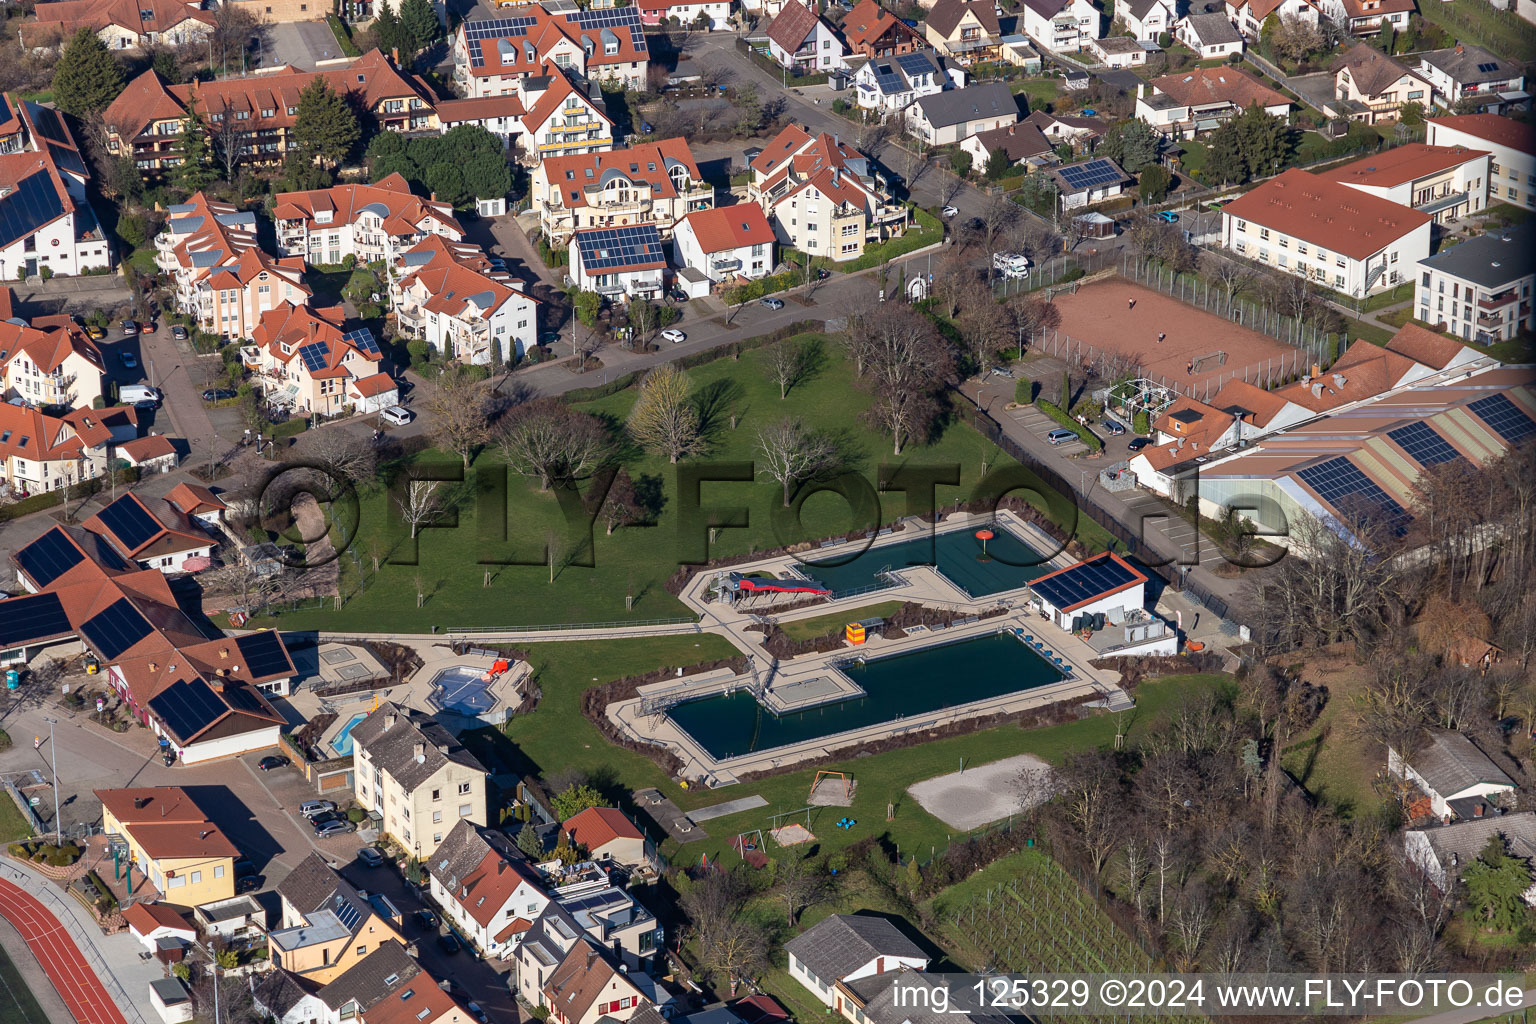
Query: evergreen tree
x=1496, y=885
x=389, y=33
x=998, y=165
x=446, y=182
x=326, y=126
x=86, y=78
x=486, y=176
x=1131, y=144
x=194, y=171
x=528, y=842
x=1153, y=184
x=960, y=162
x=1264, y=140
x=419, y=24
x=1224, y=164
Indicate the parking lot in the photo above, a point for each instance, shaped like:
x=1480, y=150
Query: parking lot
x=304, y=44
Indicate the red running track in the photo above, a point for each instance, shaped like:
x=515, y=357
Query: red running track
x=56, y=951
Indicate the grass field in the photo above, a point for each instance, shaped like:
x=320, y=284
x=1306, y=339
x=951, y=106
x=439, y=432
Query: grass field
x=13, y=824
x=637, y=560
x=1331, y=759
x=819, y=625
x=17, y=1004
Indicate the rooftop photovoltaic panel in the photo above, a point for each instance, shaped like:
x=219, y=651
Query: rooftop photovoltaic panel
x=27, y=619
x=49, y=557
x=129, y=521
x=347, y=914
x=914, y=63
x=1506, y=418
x=1485, y=68
x=362, y=340
x=1084, y=582
x=264, y=654
x=1423, y=445
x=187, y=708
x=619, y=247
x=313, y=355
x=1341, y=484
x=477, y=32
x=48, y=123
x=887, y=80
x=612, y=17
x=115, y=629
x=1094, y=172
x=33, y=203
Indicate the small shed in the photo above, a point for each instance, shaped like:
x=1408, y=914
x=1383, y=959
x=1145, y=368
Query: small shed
x=1095, y=225
x=693, y=282
x=170, y=999
x=1075, y=80
x=151, y=922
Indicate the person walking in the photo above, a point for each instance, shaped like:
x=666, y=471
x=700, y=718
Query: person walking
x=1160, y=336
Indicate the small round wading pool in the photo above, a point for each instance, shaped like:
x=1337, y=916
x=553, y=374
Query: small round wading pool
x=463, y=690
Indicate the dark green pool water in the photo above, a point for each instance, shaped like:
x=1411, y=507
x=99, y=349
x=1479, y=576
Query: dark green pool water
x=1011, y=563
x=899, y=686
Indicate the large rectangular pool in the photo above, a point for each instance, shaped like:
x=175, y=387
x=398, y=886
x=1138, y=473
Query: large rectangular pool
x=898, y=686
x=1007, y=564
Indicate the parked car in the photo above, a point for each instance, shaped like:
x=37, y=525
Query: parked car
x=311, y=808
x=272, y=761
x=477, y=1011
x=645, y=126
x=179, y=332
x=243, y=867
x=674, y=335
x=249, y=883
x=129, y=327
x=398, y=415
x=128, y=359
x=334, y=827
x=425, y=918
x=94, y=333
x=678, y=295
x=949, y=211
x=1114, y=426
x=773, y=303
x=448, y=943
x=1168, y=217
x=371, y=857
x=1217, y=204
x=1138, y=443
x=1061, y=435
x=218, y=394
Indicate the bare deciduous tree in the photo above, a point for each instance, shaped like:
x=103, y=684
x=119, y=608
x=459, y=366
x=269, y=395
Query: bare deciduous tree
x=460, y=411
x=905, y=364
x=792, y=454
x=790, y=363
x=1232, y=275
x=420, y=502
x=548, y=439
x=663, y=420
x=348, y=455
x=799, y=883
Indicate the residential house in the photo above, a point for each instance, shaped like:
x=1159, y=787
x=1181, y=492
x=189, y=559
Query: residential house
x=1512, y=144
x=1147, y=19
x=802, y=41
x=145, y=121
x=891, y=84
x=45, y=218
x=1209, y=35
x=237, y=919
x=450, y=295
x=328, y=928
x=1342, y=238
x=1444, y=852
x=1120, y=51
x=619, y=263
x=1060, y=25
x=598, y=46
x=1459, y=779
x=942, y=118
x=1249, y=15
x=797, y=178
x=725, y=243
x=416, y=776
x=544, y=115
x=966, y=30
x=903, y=996
x=608, y=915
x=847, y=947
x=51, y=363
x=1371, y=87
x=590, y=984
x=419, y=1004
x=304, y=361
x=1471, y=72
x=1183, y=105
x=654, y=184
x=39, y=452
x=541, y=950
x=1078, y=132
x=120, y=24
x=138, y=536
x=367, y=222
x=872, y=31
x=609, y=836
x=1366, y=17
x=1015, y=49
x=486, y=888
x=154, y=453
x=1480, y=290
x=372, y=984
x=705, y=15
x=149, y=923
x=221, y=276
x=1091, y=181
x=198, y=504
x=1019, y=143
x=171, y=842
x=1446, y=182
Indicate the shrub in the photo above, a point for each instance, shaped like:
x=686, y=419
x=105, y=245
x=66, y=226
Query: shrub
x=1023, y=391
x=1071, y=275
x=5, y=740
x=1141, y=422
x=476, y=372
x=1055, y=413
x=419, y=351
x=46, y=273
x=356, y=815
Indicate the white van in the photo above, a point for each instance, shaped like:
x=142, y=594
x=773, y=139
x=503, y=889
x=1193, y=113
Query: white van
x=1012, y=264
x=396, y=415
x=138, y=394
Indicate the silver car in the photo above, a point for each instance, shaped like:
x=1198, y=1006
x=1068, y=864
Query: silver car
x=313, y=808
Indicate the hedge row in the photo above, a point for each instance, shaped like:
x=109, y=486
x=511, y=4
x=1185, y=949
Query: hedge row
x=1051, y=410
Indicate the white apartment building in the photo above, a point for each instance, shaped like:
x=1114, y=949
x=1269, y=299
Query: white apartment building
x=1510, y=143
x=449, y=295
x=1446, y=182
x=368, y=222
x=726, y=242
x=1480, y=290
x=49, y=363
x=45, y=220
x=1060, y=25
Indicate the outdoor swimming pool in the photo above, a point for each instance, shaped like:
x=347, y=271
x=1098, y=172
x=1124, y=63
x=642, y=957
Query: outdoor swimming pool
x=342, y=741
x=898, y=686
x=463, y=690
x=1010, y=563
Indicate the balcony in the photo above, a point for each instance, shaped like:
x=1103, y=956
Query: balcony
x=1498, y=301
x=725, y=265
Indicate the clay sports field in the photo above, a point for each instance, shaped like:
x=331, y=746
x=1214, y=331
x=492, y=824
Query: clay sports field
x=1101, y=314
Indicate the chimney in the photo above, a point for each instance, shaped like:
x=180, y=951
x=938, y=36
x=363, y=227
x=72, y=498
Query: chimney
x=1317, y=369
x=1459, y=48
x=394, y=55
x=389, y=721
x=140, y=802
x=419, y=750
x=1141, y=90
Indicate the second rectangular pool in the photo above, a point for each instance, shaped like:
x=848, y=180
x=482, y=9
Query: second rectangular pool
x=1007, y=564
x=898, y=686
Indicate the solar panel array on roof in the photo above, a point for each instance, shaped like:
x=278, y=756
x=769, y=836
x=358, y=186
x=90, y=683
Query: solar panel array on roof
x=27, y=619
x=129, y=521
x=5, y=108
x=887, y=80
x=613, y=17
x=1341, y=484
x=115, y=629
x=362, y=340
x=619, y=247
x=1084, y=582
x=264, y=654
x=1090, y=174
x=1506, y=418
x=347, y=914
x=313, y=356
x=49, y=557
x=1424, y=445
x=187, y=707
x=914, y=64
x=48, y=123
x=1485, y=68
x=476, y=32
x=33, y=203
x=67, y=159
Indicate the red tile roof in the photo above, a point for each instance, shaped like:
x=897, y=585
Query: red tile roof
x=169, y=824
x=1402, y=164
x=730, y=227
x=1326, y=213
x=141, y=449
x=596, y=827
x=144, y=918
x=1425, y=346
x=867, y=23
x=1501, y=131
x=794, y=23
x=530, y=50
x=570, y=176
x=28, y=434
x=483, y=108
x=165, y=541
x=403, y=210
x=194, y=498
x=65, y=17
x=1212, y=85
x=784, y=145
x=552, y=101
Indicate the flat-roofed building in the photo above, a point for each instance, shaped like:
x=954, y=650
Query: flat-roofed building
x=1480, y=290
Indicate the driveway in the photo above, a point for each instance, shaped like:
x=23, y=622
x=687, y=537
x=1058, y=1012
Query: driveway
x=304, y=44
x=1316, y=90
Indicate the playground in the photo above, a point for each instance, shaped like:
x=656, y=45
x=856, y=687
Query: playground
x=973, y=797
x=1198, y=350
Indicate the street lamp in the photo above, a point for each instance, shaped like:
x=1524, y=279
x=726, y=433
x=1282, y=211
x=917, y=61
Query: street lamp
x=53, y=764
x=213, y=965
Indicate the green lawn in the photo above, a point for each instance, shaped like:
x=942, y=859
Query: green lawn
x=17, y=1004
x=1041, y=92
x=1475, y=21
x=1369, y=331
x=635, y=559
x=819, y=625
x=13, y=824
x=1195, y=155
